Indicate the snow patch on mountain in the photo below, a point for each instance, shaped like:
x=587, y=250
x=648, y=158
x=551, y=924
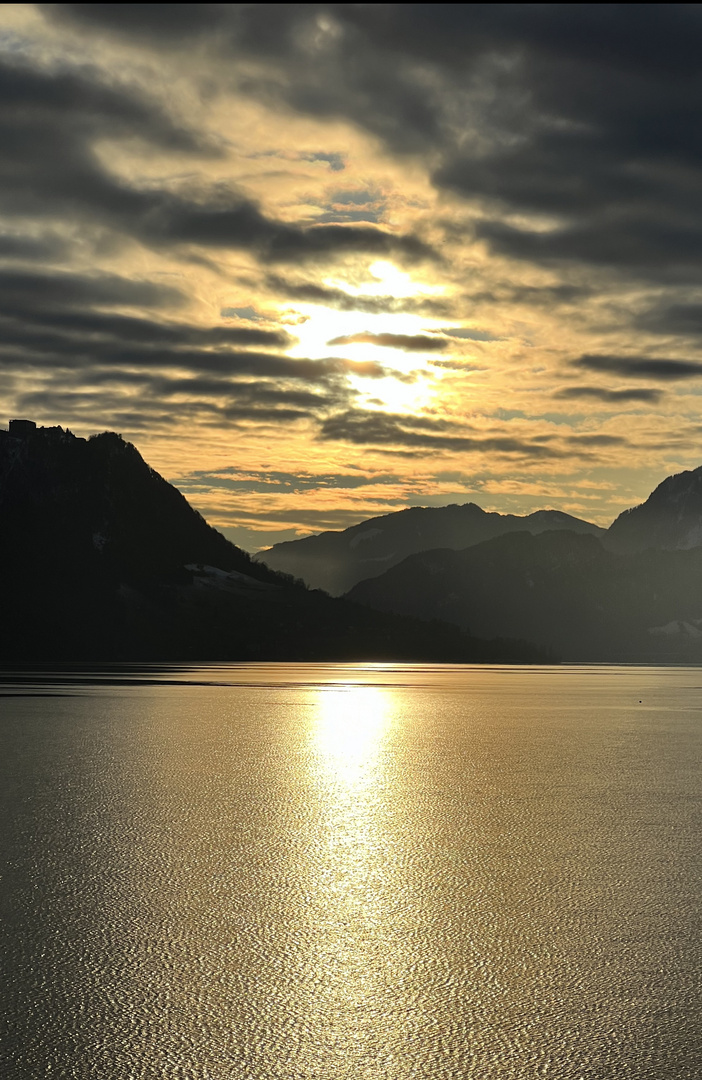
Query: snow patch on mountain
x=678, y=627
x=367, y=534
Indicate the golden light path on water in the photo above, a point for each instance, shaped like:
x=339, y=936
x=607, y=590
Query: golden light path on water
x=349, y=734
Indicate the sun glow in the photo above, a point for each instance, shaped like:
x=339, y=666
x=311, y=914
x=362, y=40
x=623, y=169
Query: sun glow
x=399, y=380
x=390, y=281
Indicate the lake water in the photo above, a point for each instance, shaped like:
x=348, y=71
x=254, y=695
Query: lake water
x=341, y=872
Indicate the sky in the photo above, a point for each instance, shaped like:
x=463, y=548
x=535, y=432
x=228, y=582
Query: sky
x=323, y=262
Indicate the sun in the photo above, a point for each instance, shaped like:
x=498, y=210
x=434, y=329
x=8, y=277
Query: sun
x=411, y=381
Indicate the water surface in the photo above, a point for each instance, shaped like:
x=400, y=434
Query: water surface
x=312, y=872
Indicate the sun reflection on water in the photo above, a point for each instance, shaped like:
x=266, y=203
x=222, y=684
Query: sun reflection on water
x=349, y=867
x=352, y=722
x=350, y=734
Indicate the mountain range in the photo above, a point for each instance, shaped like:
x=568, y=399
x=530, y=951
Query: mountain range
x=336, y=561
x=630, y=593
x=102, y=559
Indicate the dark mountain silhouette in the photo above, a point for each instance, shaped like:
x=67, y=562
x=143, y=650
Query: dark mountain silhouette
x=101, y=558
x=670, y=518
x=560, y=590
x=336, y=561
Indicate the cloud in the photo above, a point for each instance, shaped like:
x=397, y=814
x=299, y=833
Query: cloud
x=467, y=334
x=173, y=402
x=95, y=330
x=642, y=367
x=184, y=151
x=652, y=249
x=247, y=312
x=229, y=220
x=143, y=20
x=50, y=122
x=457, y=365
x=54, y=320
x=679, y=319
x=568, y=111
x=336, y=162
x=25, y=248
x=21, y=345
x=243, y=480
x=549, y=295
x=597, y=440
x=87, y=357
x=29, y=292
x=312, y=293
x=382, y=429
x=598, y=393
x=354, y=205
x=406, y=342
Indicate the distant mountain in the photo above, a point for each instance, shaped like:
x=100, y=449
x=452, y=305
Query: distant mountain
x=101, y=558
x=670, y=518
x=336, y=561
x=562, y=591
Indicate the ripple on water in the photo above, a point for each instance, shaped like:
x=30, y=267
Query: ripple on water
x=322, y=872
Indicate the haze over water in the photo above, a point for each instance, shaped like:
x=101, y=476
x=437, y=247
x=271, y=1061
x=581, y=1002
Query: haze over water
x=324, y=871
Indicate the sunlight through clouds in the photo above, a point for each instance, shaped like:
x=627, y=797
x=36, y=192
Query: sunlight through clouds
x=373, y=181
x=410, y=385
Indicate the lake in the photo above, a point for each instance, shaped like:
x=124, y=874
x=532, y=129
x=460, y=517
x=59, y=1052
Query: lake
x=345, y=872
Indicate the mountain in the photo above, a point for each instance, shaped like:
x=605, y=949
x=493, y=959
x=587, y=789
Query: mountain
x=336, y=561
x=101, y=558
x=562, y=591
x=670, y=518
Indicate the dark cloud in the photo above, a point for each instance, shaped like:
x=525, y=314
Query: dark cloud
x=466, y=334
x=175, y=401
x=598, y=393
x=406, y=342
x=653, y=249
x=312, y=293
x=52, y=321
x=91, y=328
x=312, y=69
x=67, y=330
x=548, y=294
x=50, y=121
x=597, y=440
x=149, y=414
x=21, y=345
x=582, y=114
x=572, y=110
x=230, y=394
x=25, y=292
x=23, y=248
x=187, y=22
x=679, y=319
x=456, y=365
x=235, y=222
x=242, y=480
x=642, y=367
x=378, y=429
x=78, y=105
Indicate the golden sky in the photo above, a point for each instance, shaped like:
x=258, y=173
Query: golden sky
x=321, y=262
